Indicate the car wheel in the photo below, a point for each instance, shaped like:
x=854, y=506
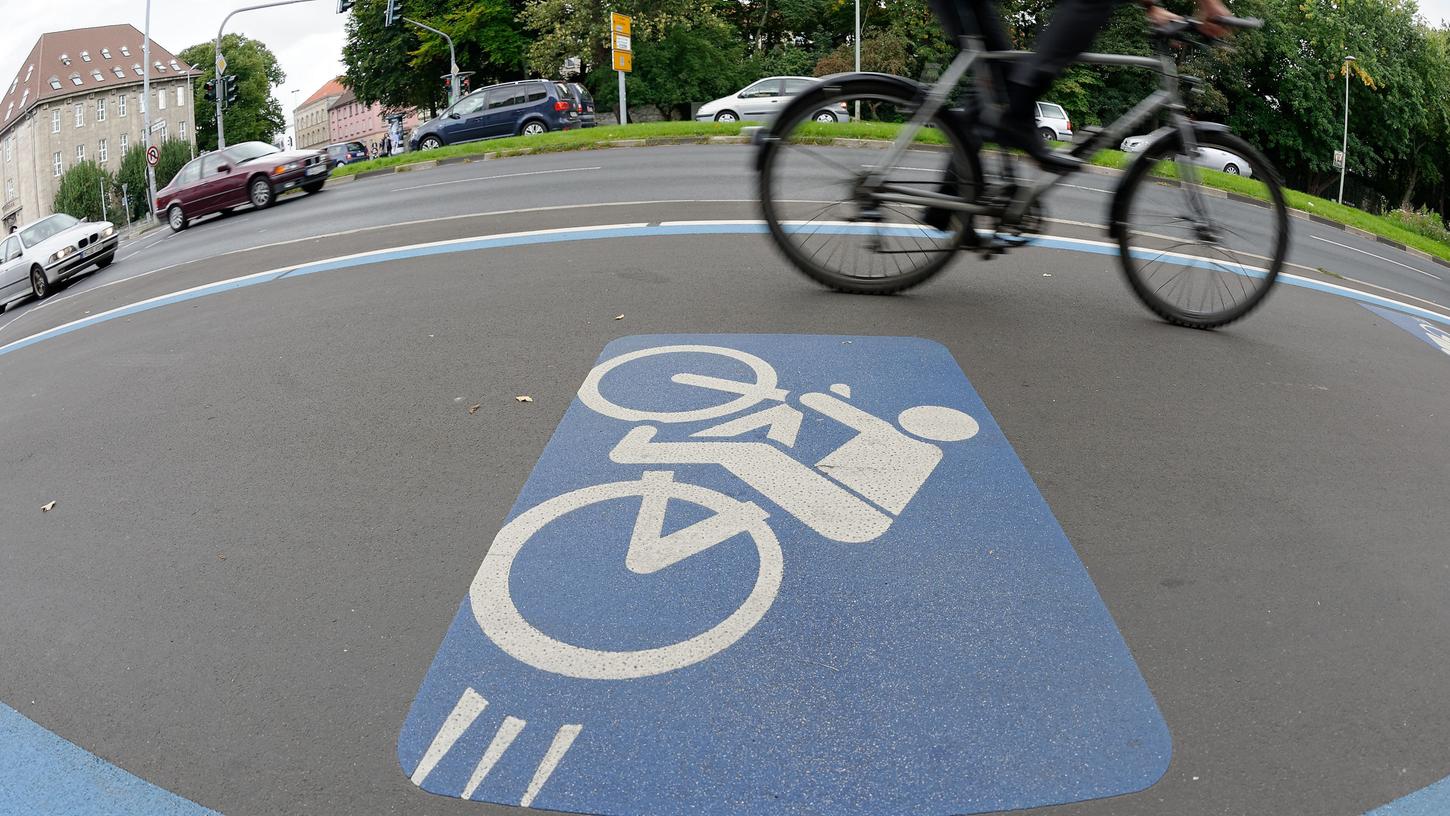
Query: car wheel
x=313, y=187
x=535, y=129
x=726, y=116
x=825, y=117
x=175, y=218
x=39, y=284
x=430, y=143
x=1231, y=168
x=259, y=192
x=105, y=260
x=1048, y=134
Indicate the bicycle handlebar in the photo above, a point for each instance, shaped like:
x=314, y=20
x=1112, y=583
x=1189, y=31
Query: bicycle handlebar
x=1239, y=22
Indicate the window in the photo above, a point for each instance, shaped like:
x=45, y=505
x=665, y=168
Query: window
x=55, y=164
x=470, y=104
x=85, y=56
x=125, y=143
x=9, y=148
x=75, y=79
x=101, y=154
x=136, y=66
x=10, y=247
x=55, y=120
x=80, y=153
x=160, y=135
x=190, y=173
x=55, y=83
x=118, y=71
x=106, y=53
x=97, y=75
x=180, y=95
x=175, y=66
x=100, y=110
x=210, y=162
x=764, y=88
x=159, y=67
x=29, y=69
x=65, y=59
x=181, y=129
x=795, y=86
x=121, y=106
x=9, y=110
x=23, y=97
x=80, y=114
x=10, y=195
x=161, y=99
x=125, y=51
x=503, y=97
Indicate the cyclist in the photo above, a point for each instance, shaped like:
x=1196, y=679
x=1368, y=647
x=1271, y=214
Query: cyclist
x=1074, y=25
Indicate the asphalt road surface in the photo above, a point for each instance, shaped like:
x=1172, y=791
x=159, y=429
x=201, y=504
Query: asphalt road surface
x=272, y=495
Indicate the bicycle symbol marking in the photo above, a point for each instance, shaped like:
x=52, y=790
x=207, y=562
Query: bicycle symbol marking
x=850, y=496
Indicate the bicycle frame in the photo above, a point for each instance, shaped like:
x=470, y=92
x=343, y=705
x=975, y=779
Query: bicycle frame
x=1166, y=98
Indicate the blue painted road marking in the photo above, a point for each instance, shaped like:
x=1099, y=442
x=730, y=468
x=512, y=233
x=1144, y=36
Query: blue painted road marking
x=1431, y=801
x=786, y=574
x=43, y=775
x=1436, y=335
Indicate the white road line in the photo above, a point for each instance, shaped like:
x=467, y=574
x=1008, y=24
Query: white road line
x=55, y=300
x=501, y=742
x=560, y=746
x=491, y=178
x=1091, y=189
x=1381, y=257
x=469, y=706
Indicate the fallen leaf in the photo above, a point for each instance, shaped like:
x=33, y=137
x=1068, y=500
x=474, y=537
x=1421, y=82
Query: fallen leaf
x=47, y=507
x=1046, y=274
x=222, y=557
x=473, y=409
x=524, y=398
x=619, y=317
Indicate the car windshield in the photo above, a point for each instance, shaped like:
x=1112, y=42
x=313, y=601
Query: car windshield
x=246, y=151
x=47, y=228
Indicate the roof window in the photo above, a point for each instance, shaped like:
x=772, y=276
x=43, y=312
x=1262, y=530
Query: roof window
x=55, y=83
x=85, y=56
x=106, y=53
x=125, y=51
x=75, y=79
x=65, y=59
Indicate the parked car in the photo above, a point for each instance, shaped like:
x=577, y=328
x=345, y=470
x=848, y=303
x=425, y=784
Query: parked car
x=252, y=173
x=36, y=258
x=1053, y=122
x=762, y=100
x=525, y=108
x=1210, y=157
x=346, y=153
x=584, y=101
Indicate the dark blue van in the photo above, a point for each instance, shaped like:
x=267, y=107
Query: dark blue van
x=524, y=108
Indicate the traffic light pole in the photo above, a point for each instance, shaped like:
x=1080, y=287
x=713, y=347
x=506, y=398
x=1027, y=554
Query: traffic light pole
x=452, y=60
x=221, y=139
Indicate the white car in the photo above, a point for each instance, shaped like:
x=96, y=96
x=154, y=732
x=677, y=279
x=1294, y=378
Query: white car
x=1052, y=122
x=37, y=257
x=1210, y=157
x=760, y=102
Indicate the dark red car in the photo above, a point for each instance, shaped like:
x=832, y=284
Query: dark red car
x=248, y=173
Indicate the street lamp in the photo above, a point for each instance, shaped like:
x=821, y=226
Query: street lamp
x=858, y=53
x=1344, y=146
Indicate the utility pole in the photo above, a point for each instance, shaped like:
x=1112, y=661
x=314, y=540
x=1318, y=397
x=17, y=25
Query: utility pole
x=1344, y=146
x=146, y=113
x=453, y=89
x=221, y=139
x=858, y=53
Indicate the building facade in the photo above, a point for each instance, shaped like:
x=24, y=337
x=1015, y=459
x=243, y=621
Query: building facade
x=352, y=121
x=311, y=121
x=77, y=96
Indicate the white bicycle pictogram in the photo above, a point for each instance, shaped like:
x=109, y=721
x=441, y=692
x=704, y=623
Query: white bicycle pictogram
x=851, y=496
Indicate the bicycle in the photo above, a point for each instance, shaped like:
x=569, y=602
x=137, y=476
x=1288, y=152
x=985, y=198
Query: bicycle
x=907, y=222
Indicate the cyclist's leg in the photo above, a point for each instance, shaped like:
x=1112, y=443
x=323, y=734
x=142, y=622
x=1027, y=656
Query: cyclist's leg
x=1073, y=27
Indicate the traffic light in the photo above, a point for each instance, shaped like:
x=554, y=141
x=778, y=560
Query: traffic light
x=220, y=91
x=231, y=92
x=210, y=90
x=343, y=6
x=394, y=13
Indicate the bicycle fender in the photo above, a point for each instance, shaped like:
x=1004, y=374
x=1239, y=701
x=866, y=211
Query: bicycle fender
x=1159, y=136
x=828, y=87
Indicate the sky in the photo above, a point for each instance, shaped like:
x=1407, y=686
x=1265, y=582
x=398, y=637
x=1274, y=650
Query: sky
x=307, y=37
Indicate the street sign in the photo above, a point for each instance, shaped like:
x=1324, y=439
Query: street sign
x=785, y=574
x=153, y=154
x=619, y=24
x=621, y=42
x=221, y=64
x=1339, y=158
x=158, y=125
x=623, y=61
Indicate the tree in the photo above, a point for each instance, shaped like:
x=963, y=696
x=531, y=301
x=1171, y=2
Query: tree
x=81, y=191
x=690, y=62
x=255, y=116
x=174, y=154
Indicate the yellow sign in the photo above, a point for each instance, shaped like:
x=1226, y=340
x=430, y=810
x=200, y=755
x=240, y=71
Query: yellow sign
x=623, y=61
x=621, y=42
x=620, y=24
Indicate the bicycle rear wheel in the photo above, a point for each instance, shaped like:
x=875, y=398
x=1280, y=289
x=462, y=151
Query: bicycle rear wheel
x=1190, y=254
x=824, y=219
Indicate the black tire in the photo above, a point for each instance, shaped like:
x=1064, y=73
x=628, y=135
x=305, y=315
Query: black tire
x=887, y=243
x=313, y=187
x=105, y=260
x=430, y=142
x=1231, y=168
x=40, y=286
x=176, y=218
x=1238, y=269
x=825, y=118
x=260, y=193
x=534, y=128
x=727, y=116
x=1047, y=134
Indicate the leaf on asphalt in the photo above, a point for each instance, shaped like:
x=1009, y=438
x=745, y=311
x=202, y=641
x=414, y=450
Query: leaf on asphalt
x=524, y=398
x=619, y=317
x=473, y=409
x=47, y=507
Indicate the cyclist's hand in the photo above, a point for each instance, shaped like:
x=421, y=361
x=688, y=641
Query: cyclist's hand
x=1208, y=11
x=1159, y=17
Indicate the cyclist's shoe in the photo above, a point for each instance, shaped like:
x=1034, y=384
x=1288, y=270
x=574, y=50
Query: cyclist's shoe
x=1018, y=129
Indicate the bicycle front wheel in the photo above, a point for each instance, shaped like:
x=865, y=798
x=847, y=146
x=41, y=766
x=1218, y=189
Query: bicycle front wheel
x=1192, y=255
x=818, y=205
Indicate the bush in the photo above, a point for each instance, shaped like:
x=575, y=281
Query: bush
x=174, y=154
x=81, y=190
x=1424, y=221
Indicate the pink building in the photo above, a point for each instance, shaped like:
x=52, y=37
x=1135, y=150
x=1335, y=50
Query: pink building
x=351, y=121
